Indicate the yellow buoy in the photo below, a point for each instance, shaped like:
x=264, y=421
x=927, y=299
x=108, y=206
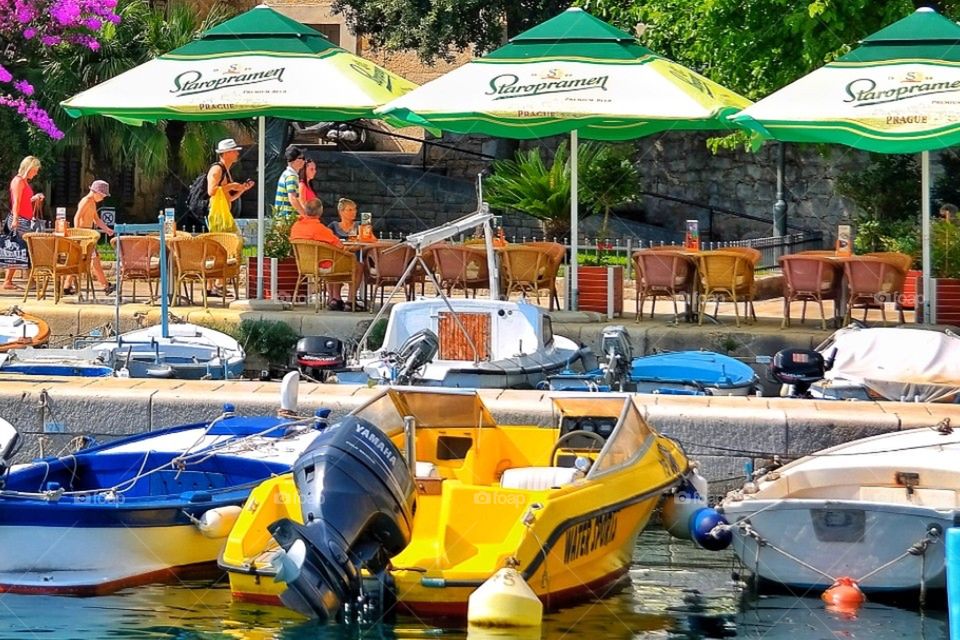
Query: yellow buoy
x=504, y=600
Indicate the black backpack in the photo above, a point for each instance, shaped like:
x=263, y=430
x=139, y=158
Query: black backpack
x=198, y=201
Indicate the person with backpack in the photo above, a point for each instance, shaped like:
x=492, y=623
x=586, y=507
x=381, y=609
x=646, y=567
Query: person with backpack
x=218, y=177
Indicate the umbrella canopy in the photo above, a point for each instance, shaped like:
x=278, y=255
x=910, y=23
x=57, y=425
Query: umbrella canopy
x=899, y=92
x=573, y=73
x=260, y=63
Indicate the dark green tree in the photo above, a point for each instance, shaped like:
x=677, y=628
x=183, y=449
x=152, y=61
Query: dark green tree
x=433, y=27
x=755, y=46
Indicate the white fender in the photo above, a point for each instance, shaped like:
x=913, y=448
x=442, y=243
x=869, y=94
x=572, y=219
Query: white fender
x=217, y=523
x=9, y=437
x=680, y=506
x=290, y=391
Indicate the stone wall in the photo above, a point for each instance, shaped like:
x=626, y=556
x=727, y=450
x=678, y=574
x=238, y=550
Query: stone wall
x=680, y=165
x=401, y=199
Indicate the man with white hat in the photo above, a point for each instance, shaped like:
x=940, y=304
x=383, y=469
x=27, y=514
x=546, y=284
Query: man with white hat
x=88, y=218
x=228, y=151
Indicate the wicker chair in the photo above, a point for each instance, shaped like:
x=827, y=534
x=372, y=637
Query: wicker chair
x=728, y=274
x=385, y=265
x=53, y=258
x=749, y=252
x=555, y=253
x=664, y=273
x=319, y=263
x=524, y=268
x=139, y=258
x=901, y=260
x=807, y=278
x=201, y=260
x=233, y=244
x=871, y=282
x=459, y=266
x=88, y=239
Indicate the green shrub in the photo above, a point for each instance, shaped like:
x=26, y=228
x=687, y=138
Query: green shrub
x=271, y=339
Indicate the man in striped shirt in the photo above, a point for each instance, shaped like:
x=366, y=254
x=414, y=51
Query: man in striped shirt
x=287, y=200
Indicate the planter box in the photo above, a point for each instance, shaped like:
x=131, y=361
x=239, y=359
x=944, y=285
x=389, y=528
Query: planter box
x=911, y=285
x=945, y=301
x=286, y=280
x=592, y=285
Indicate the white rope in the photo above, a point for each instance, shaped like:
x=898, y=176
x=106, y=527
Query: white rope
x=181, y=460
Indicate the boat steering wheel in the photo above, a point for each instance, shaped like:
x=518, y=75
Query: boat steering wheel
x=569, y=436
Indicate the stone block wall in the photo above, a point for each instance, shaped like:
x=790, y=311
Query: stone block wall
x=402, y=199
x=680, y=165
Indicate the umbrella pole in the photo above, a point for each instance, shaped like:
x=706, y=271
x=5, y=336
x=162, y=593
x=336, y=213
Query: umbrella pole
x=261, y=177
x=574, y=232
x=925, y=235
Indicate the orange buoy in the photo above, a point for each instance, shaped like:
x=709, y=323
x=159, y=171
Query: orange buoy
x=844, y=596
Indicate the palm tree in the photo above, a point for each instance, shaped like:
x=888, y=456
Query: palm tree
x=175, y=149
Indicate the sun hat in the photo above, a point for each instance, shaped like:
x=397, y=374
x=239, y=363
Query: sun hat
x=228, y=144
x=101, y=187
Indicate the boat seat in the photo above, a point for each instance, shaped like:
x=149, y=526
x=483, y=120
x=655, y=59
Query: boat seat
x=538, y=478
x=425, y=469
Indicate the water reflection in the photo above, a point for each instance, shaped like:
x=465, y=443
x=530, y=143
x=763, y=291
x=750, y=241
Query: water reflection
x=674, y=591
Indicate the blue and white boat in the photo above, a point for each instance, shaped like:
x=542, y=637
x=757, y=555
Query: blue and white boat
x=140, y=509
x=187, y=351
x=676, y=372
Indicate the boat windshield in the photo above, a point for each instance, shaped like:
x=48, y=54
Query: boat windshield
x=629, y=441
x=431, y=409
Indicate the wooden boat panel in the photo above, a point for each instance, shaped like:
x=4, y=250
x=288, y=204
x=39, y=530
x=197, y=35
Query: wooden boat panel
x=454, y=344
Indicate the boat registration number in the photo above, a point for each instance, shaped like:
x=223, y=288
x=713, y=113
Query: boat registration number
x=838, y=525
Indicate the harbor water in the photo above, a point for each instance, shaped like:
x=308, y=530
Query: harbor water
x=674, y=591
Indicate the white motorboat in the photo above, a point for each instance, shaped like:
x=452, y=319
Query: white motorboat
x=140, y=509
x=891, y=363
x=874, y=510
x=19, y=329
x=188, y=351
x=470, y=343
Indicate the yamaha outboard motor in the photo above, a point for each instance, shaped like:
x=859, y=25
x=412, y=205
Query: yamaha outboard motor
x=799, y=368
x=319, y=356
x=357, y=498
x=419, y=350
x=616, y=347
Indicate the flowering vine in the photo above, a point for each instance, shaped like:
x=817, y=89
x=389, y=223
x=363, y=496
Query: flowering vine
x=26, y=24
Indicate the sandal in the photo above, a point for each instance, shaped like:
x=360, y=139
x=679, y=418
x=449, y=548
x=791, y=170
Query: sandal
x=68, y=291
x=335, y=305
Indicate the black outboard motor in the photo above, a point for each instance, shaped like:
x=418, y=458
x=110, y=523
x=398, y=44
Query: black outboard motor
x=616, y=346
x=419, y=350
x=319, y=356
x=799, y=368
x=357, y=498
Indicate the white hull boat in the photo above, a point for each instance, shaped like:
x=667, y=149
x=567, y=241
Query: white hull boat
x=874, y=510
x=141, y=509
x=189, y=352
x=469, y=343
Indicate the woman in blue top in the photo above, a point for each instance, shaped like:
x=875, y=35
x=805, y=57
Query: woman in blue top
x=346, y=226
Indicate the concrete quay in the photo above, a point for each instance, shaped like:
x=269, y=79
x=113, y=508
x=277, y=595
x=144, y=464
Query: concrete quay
x=723, y=433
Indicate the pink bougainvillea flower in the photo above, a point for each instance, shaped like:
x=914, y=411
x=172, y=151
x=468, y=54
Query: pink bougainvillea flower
x=24, y=87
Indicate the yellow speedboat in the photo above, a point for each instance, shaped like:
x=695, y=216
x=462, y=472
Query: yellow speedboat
x=563, y=504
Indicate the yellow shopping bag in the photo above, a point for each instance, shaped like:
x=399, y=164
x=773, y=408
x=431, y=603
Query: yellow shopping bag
x=220, y=219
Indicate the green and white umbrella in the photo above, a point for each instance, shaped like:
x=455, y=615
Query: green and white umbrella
x=899, y=92
x=258, y=64
x=573, y=73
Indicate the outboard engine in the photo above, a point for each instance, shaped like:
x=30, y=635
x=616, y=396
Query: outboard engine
x=616, y=347
x=799, y=368
x=419, y=350
x=319, y=356
x=357, y=497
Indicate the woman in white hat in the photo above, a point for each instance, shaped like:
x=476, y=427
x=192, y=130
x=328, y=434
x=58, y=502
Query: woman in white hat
x=88, y=218
x=228, y=152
